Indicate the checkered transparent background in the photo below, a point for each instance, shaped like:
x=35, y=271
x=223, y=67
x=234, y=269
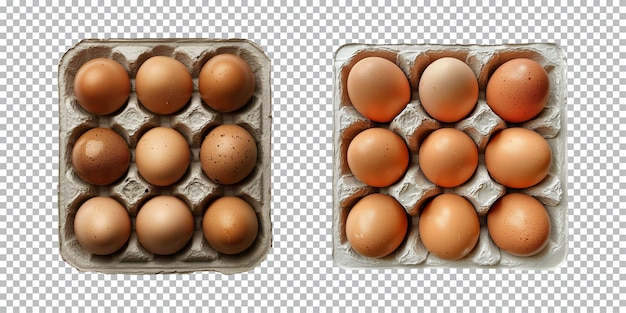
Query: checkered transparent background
x=299, y=272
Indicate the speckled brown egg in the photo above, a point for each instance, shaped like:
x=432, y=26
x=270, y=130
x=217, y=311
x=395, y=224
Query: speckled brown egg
x=226, y=82
x=162, y=156
x=376, y=225
x=100, y=156
x=230, y=225
x=102, y=226
x=101, y=86
x=518, y=90
x=449, y=226
x=163, y=85
x=519, y=224
x=228, y=154
x=164, y=225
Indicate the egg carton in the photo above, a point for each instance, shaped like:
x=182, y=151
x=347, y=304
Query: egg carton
x=194, y=121
x=414, y=124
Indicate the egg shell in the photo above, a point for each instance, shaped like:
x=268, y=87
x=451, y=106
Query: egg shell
x=230, y=225
x=162, y=156
x=100, y=156
x=376, y=225
x=378, y=89
x=228, y=154
x=448, y=157
x=518, y=90
x=449, y=226
x=518, y=158
x=448, y=89
x=519, y=224
x=101, y=86
x=226, y=82
x=193, y=121
x=378, y=157
x=414, y=124
x=163, y=84
x=102, y=226
x=164, y=225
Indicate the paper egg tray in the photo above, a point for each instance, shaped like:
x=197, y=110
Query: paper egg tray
x=414, y=124
x=194, y=122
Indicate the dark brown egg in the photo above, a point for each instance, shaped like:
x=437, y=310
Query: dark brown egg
x=100, y=156
x=228, y=154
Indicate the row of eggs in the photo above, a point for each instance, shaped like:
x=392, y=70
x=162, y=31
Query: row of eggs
x=164, y=85
x=164, y=225
x=448, y=89
x=101, y=156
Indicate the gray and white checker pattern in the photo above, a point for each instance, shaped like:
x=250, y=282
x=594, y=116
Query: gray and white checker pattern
x=299, y=272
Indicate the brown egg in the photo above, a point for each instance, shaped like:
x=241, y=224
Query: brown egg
x=230, y=225
x=226, y=82
x=163, y=85
x=518, y=157
x=162, y=156
x=518, y=90
x=378, y=157
x=448, y=157
x=100, y=156
x=101, y=86
x=228, y=154
x=378, y=89
x=164, y=225
x=376, y=225
x=449, y=226
x=519, y=224
x=102, y=226
x=448, y=89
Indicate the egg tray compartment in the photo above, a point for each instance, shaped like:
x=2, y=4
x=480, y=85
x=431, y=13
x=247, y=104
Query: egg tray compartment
x=413, y=124
x=193, y=121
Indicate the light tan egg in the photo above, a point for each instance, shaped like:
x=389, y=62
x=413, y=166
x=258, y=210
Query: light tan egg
x=228, y=154
x=164, y=225
x=449, y=226
x=226, y=82
x=100, y=156
x=378, y=89
x=230, y=225
x=448, y=89
x=102, y=226
x=448, y=157
x=519, y=224
x=518, y=157
x=376, y=225
x=162, y=156
x=163, y=85
x=378, y=157
x=101, y=86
